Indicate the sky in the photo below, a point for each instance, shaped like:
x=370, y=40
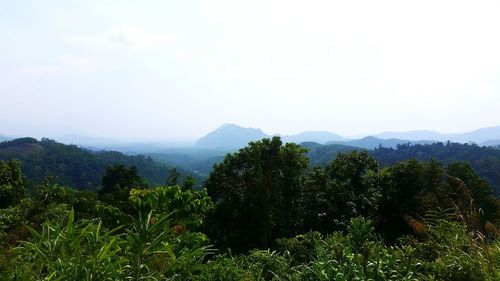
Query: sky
x=159, y=69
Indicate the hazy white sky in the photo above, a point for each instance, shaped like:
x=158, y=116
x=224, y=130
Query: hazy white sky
x=158, y=69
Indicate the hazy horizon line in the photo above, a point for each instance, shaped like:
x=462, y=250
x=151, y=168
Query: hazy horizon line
x=192, y=139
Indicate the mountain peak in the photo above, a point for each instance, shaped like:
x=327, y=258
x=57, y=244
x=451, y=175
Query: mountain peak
x=229, y=125
x=230, y=136
x=233, y=136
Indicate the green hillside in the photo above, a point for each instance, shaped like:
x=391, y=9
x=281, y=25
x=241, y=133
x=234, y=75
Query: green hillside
x=73, y=166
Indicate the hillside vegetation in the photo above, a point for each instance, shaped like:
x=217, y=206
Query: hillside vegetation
x=264, y=213
x=484, y=160
x=73, y=166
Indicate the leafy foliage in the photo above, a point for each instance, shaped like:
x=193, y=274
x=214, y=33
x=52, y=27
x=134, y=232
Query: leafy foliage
x=352, y=219
x=256, y=192
x=11, y=184
x=359, y=254
x=484, y=160
x=74, y=166
x=148, y=247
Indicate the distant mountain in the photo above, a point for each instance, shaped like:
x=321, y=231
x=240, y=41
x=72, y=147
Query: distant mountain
x=313, y=136
x=123, y=145
x=233, y=136
x=479, y=135
x=230, y=136
x=415, y=135
x=476, y=136
x=74, y=166
x=372, y=142
x=141, y=148
x=85, y=140
x=491, y=143
x=4, y=138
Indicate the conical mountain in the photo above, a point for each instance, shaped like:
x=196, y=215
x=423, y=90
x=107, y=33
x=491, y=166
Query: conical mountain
x=230, y=136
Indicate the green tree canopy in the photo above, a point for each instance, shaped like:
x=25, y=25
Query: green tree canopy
x=117, y=183
x=12, y=183
x=119, y=178
x=257, y=191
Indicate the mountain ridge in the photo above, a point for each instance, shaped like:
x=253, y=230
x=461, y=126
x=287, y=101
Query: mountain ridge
x=478, y=136
x=232, y=136
x=313, y=136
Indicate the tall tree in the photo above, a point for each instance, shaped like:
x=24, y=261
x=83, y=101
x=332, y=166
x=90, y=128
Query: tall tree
x=12, y=188
x=117, y=182
x=256, y=192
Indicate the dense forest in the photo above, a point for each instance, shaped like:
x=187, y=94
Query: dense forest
x=263, y=213
x=81, y=168
x=74, y=166
x=484, y=160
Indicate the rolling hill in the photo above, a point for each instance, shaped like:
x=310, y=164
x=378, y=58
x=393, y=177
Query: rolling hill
x=74, y=166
